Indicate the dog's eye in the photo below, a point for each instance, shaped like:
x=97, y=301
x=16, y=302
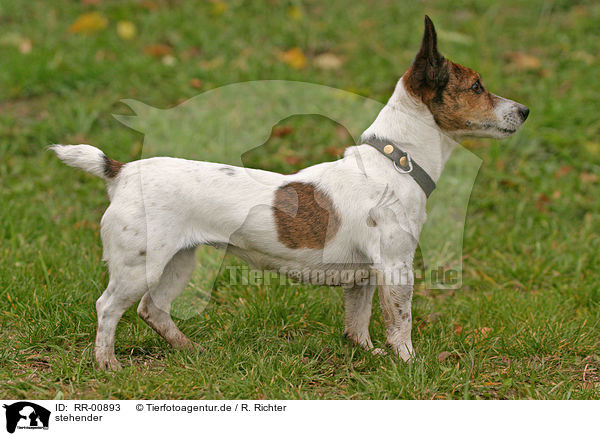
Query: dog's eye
x=477, y=88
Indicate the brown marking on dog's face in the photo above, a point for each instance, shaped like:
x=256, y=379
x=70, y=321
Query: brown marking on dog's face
x=463, y=102
x=455, y=94
x=305, y=217
x=112, y=167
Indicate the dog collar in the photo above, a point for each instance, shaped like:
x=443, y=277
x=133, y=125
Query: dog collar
x=402, y=162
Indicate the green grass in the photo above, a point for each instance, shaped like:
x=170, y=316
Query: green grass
x=531, y=247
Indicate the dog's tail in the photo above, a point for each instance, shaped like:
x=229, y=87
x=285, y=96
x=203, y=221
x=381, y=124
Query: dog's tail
x=88, y=158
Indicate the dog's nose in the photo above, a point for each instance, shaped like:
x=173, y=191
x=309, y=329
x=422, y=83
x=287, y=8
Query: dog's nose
x=524, y=112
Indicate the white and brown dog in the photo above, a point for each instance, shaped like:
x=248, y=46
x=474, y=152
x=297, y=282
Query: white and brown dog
x=326, y=216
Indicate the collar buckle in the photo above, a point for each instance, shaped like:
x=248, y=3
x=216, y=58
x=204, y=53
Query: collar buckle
x=405, y=166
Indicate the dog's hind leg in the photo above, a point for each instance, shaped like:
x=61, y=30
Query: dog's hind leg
x=120, y=294
x=155, y=306
x=358, y=314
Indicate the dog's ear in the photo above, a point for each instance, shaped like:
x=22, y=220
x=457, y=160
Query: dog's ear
x=429, y=69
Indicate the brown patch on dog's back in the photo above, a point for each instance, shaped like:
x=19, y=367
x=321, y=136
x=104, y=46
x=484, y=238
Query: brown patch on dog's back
x=305, y=217
x=112, y=167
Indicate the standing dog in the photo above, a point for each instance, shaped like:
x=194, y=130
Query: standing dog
x=364, y=210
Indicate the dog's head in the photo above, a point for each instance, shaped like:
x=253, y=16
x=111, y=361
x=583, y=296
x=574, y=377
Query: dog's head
x=456, y=96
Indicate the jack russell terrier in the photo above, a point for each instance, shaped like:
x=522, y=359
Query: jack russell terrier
x=363, y=212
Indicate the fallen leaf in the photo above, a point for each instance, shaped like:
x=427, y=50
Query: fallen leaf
x=218, y=8
x=335, y=151
x=169, y=60
x=458, y=329
x=280, y=131
x=212, y=64
x=583, y=56
x=294, y=57
x=523, y=61
x=293, y=160
x=562, y=171
x=191, y=52
x=443, y=356
x=23, y=44
x=148, y=4
x=542, y=201
x=158, y=50
x=588, y=177
x=328, y=61
x=295, y=13
x=126, y=30
x=196, y=83
x=89, y=23
x=507, y=183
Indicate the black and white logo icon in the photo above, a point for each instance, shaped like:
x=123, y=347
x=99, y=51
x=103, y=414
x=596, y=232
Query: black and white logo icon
x=26, y=415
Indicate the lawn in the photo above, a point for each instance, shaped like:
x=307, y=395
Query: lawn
x=524, y=324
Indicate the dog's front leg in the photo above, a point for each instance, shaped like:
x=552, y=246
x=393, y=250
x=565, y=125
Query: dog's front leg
x=357, y=301
x=395, y=298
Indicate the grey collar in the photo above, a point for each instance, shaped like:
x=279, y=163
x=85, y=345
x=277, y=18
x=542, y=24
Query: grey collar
x=402, y=162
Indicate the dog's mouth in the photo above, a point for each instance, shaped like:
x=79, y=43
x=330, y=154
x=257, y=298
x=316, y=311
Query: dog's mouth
x=491, y=129
x=507, y=132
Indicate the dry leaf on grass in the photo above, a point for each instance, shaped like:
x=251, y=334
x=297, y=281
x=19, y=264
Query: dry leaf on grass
x=588, y=177
x=295, y=13
x=24, y=45
x=280, y=131
x=563, y=171
x=158, y=50
x=523, y=61
x=542, y=201
x=334, y=151
x=217, y=8
x=211, y=64
x=89, y=23
x=328, y=61
x=293, y=160
x=443, y=356
x=196, y=83
x=149, y=5
x=126, y=30
x=294, y=57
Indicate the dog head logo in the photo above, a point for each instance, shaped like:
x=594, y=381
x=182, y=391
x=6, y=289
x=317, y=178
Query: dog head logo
x=26, y=415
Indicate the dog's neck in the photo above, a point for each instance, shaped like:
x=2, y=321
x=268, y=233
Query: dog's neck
x=407, y=122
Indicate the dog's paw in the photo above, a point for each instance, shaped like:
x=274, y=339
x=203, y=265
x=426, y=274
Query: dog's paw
x=111, y=364
x=106, y=360
x=404, y=351
x=378, y=352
